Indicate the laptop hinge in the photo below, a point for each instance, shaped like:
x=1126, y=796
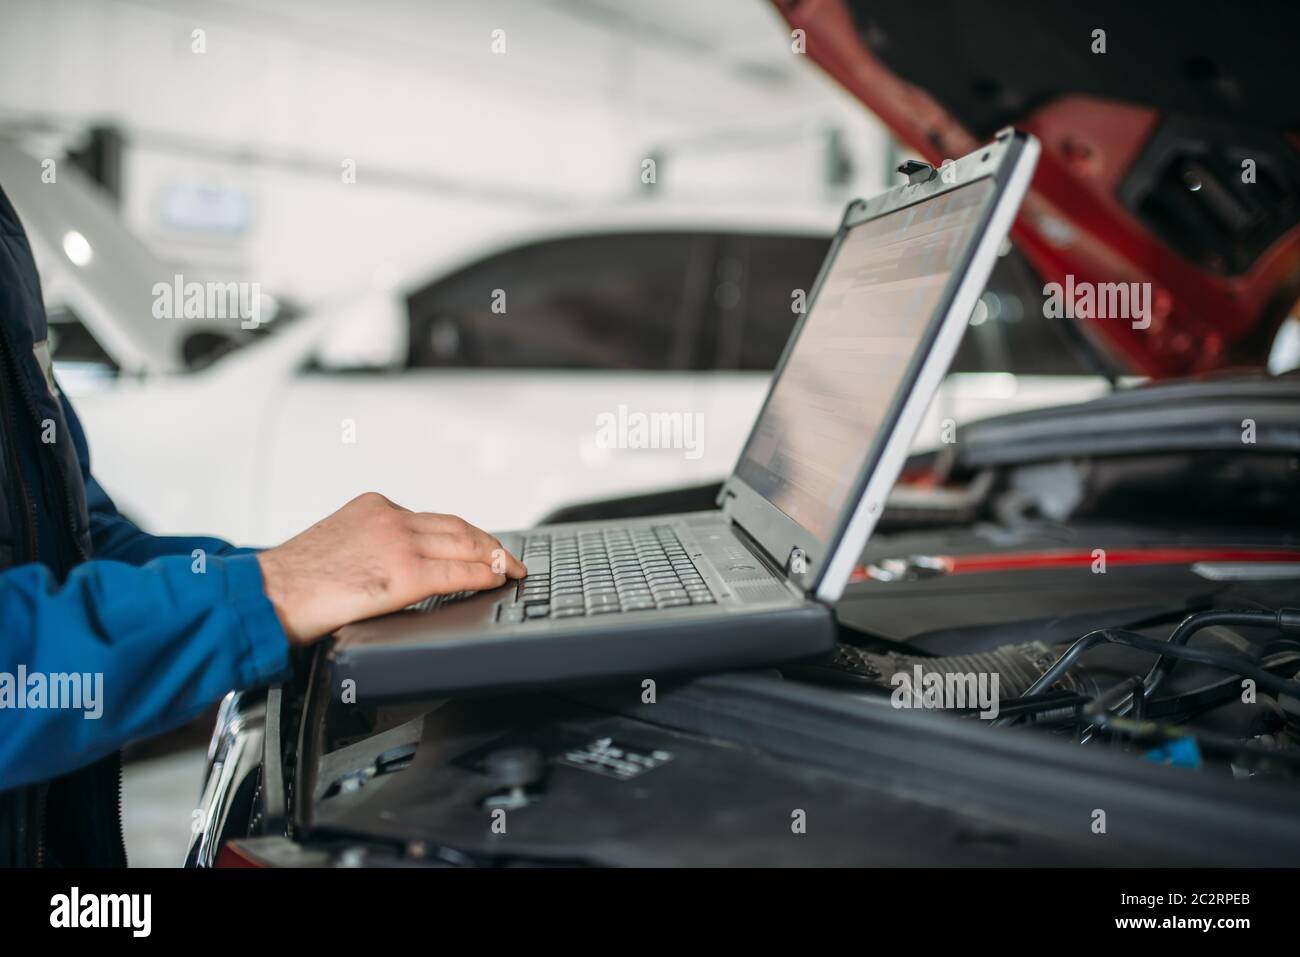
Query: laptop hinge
x=782, y=570
x=782, y=566
x=726, y=499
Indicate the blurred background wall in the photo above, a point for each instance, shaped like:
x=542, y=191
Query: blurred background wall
x=232, y=157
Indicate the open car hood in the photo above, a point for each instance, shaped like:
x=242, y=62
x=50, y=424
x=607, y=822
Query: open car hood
x=1147, y=147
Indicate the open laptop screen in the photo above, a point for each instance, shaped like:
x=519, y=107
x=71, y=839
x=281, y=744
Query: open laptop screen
x=852, y=353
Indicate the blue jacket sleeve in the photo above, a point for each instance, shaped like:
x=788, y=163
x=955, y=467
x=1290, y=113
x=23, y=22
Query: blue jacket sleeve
x=151, y=635
x=148, y=647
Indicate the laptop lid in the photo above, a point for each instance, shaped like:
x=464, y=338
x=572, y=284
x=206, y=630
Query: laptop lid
x=883, y=321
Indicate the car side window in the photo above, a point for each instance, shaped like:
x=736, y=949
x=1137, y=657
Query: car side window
x=619, y=301
x=74, y=350
x=1011, y=334
x=758, y=282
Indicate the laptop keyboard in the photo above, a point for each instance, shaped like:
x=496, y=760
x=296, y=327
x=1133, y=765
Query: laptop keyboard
x=605, y=571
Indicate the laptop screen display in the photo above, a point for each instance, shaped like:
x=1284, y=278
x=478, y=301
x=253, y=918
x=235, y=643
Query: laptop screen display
x=836, y=388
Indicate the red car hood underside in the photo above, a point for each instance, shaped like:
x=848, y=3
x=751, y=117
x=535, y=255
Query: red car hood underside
x=1206, y=315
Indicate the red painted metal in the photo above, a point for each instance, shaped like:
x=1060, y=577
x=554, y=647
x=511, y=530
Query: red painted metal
x=1071, y=222
x=231, y=855
x=1083, y=558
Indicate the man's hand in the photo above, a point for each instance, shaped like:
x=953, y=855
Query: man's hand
x=372, y=557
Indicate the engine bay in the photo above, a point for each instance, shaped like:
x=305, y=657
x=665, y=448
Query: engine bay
x=1032, y=653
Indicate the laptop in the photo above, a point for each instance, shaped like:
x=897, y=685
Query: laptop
x=753, y=582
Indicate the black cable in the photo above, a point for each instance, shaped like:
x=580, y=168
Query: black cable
x=1157, y=732
x=1111, y=698
x=1184, y=705
x=1098, y=712
x=1177, y=707
x=1238, y=664
x=1139, y=701
x=1114, y=699
x=1285, y=620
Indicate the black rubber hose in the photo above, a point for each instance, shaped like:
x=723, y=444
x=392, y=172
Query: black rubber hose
x=1238, y=664
x=1177, y=708
x=1285, y=620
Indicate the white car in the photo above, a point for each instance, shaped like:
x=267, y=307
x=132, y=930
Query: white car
x=98, y=280
x=528, y=373
x=511, y=384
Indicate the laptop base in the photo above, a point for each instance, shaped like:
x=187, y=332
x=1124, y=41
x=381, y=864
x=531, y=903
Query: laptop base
x=478, y=643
